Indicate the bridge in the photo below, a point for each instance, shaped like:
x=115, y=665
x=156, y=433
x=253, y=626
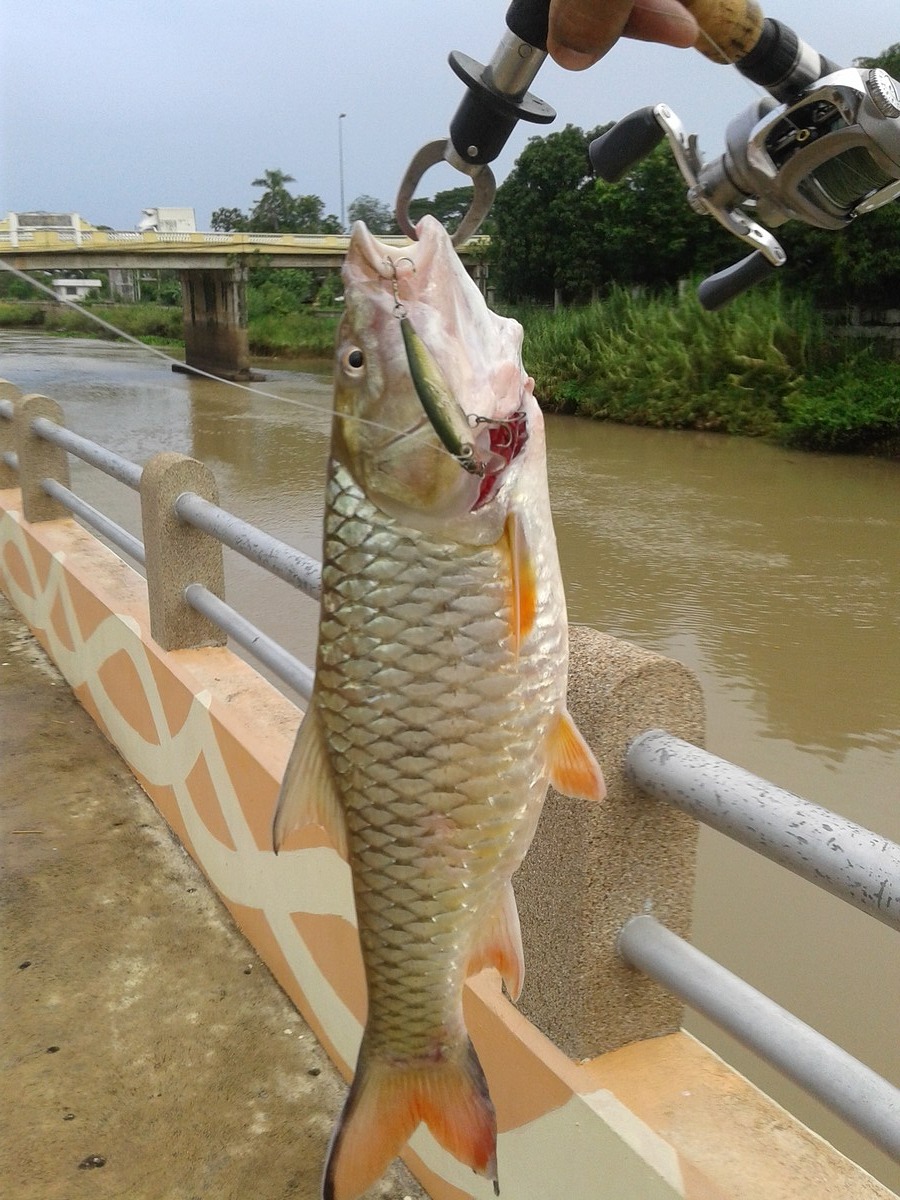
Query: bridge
x=214, y=270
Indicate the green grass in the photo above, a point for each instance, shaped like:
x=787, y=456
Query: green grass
x=764, y=366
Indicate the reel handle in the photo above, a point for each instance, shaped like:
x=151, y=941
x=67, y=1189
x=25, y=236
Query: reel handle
x=719, y=289
x=622, y=147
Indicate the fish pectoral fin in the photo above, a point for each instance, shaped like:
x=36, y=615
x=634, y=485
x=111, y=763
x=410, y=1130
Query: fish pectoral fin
x=574, y=771
x=308, y=795
x=523, y=578
x=499, y=945
x=385, y=1104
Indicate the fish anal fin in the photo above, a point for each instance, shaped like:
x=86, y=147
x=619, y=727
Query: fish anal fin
x=574, y=771
x=308, y=795
x=499, y=945
x=523, y=578
x=387, y=1102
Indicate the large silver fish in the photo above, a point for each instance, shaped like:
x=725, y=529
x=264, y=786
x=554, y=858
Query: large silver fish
x=439, y=713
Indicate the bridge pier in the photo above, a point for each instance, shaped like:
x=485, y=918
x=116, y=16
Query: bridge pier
x=214, y=308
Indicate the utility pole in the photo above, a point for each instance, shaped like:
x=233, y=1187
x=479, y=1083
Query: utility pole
x=341, y=164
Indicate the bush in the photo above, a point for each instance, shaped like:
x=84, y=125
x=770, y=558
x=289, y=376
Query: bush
x=293, y=333
x=17, y=316
x=851, y=410
x=662, y=361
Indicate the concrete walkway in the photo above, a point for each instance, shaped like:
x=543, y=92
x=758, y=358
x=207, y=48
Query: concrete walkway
x=146, y=1052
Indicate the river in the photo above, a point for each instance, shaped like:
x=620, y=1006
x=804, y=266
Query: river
x=774, y=575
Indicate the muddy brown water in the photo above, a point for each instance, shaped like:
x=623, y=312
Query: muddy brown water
x=774, y=575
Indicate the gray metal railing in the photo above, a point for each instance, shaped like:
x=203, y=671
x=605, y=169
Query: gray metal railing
x=289, y=669
x=276, y=557
x=98, y=521
x=848, y=1087
x=107, y=461
x=255, y=544
x=838, y=855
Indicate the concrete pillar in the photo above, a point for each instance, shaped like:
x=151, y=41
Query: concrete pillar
x=214, y=308
x=594, y=865
x=177, y=554
x=39, y=460
x=8, y=477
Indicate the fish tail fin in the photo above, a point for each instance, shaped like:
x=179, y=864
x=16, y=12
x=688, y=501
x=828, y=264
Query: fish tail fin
x=387, y=1102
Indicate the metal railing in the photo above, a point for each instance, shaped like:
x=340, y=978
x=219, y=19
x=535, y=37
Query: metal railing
x=255, y=544
x=836, y=854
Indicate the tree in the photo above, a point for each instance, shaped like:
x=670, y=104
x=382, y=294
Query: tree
x=449, y=206
x=274, y=211
x=376, y=215
x=227, y=220
x=543, y=215
x=888, y=60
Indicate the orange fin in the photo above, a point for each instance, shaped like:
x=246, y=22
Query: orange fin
x=387, y=1102
x=500, y=945
x=308, y=795
x=523, y=580
x=573, y=769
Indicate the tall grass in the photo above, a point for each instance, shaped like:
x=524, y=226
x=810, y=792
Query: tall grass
x=667, y=362
x=150, y=321
x=293, y=334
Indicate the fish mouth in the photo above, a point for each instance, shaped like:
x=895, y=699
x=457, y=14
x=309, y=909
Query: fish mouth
x=424, y=291
x=507, y=438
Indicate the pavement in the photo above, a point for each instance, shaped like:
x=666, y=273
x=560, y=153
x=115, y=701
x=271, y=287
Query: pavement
x=145, y=1051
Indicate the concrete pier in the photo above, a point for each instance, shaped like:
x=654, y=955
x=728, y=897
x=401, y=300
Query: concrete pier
x=214, y=307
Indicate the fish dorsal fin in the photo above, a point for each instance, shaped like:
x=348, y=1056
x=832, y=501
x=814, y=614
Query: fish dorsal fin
x=573, y=769
x=499, y=945
x=523, y=579
x=308, y=795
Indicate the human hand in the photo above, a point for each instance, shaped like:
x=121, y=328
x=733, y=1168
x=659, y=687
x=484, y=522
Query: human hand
x=582, y=31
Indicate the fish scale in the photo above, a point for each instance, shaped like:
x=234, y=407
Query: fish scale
x=437, y=777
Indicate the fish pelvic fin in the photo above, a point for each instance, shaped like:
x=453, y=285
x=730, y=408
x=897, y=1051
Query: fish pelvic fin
x=308, y=795
x=499, y=945
x=387, y=1102
x=523, y=579
x=574, y=771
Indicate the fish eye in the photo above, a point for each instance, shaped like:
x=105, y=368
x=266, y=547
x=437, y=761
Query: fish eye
x=353, y=360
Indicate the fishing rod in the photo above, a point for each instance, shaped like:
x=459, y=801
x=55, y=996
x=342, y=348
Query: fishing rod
x=822, y=147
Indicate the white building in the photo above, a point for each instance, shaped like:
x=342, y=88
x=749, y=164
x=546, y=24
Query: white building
x=75, y=289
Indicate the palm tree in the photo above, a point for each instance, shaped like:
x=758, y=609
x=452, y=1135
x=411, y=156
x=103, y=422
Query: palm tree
x=274, y=209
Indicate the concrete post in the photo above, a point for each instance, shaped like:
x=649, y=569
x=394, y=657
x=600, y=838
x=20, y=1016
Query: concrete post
x=592, y=866
x=214, y=309
x=8, y=477
x=39, y=460
x=177, y=554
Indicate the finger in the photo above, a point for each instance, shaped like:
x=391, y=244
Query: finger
x=581, y=31
x=662, y=21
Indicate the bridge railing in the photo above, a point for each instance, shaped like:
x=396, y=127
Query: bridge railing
x=49, y=240
x=184, y=532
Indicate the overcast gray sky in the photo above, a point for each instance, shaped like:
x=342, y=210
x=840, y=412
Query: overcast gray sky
x=110, y=106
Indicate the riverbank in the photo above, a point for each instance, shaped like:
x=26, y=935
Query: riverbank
x=149, y=1051
x=765, y=366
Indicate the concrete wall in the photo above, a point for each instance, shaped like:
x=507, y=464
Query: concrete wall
x=208, y=739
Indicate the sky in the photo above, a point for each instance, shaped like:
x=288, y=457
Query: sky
x=111, y=106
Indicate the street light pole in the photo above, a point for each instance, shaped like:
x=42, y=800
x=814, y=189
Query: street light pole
x=341, y=163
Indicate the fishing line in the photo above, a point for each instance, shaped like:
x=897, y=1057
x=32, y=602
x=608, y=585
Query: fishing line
x=186, y=368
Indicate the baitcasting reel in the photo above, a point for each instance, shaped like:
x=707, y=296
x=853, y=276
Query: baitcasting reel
x=823, y=147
